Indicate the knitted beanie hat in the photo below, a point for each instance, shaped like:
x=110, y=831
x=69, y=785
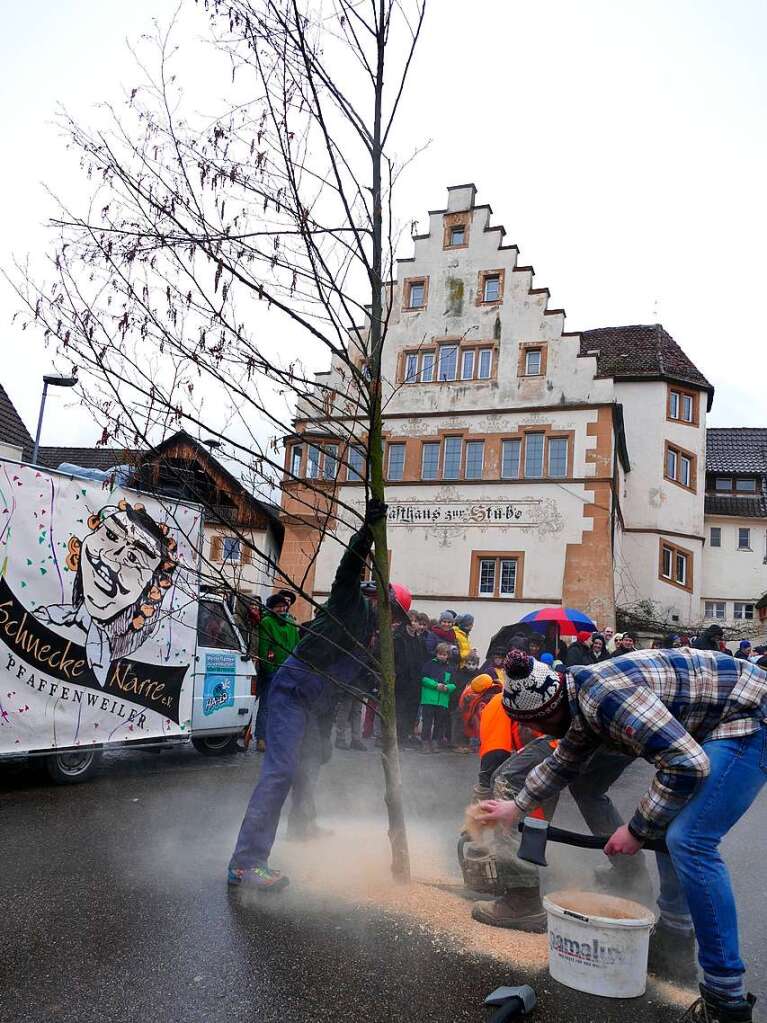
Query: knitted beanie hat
x=745, y=644
x=447, y=616
x=532, y=690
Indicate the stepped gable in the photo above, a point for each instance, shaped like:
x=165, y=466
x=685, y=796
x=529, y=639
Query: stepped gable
x=737, y=450
x=642, y=352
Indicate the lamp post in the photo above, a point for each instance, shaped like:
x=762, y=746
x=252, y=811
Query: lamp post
x=52, y=381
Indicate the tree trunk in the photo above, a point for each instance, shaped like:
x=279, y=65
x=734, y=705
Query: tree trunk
x=391, y=765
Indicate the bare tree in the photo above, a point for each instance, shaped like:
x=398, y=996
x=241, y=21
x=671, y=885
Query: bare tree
x=222, y=253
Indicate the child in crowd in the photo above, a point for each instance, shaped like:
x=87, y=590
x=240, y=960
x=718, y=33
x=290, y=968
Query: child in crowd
x=436, y=687
x=461, y=677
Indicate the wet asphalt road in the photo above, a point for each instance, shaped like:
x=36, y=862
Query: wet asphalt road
x=114, y=906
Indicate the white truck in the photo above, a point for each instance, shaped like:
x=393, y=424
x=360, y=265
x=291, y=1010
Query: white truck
x=105, y=637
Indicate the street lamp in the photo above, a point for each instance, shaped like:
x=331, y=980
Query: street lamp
x=52, y=381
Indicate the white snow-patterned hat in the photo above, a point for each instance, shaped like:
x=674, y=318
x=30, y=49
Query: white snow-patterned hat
x=532, y=689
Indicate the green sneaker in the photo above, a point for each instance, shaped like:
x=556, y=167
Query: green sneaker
x=260, y=878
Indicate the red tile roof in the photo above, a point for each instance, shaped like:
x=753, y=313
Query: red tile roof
x=642, y=352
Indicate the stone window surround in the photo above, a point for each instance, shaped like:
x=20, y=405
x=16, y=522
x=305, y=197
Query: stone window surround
x=406, y=286
x=477, y=556
x=683, y=391
x=524, y=347
x=480, y=298
x=306, y=441
x=451, y=220
x=492, y=455
x=676, y=549
x=462, y=345
x=693, y=487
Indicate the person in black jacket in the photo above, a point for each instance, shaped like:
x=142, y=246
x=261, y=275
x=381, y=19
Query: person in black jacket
x=579, y=652
x=409, y=655
x=710, y=639
x=332, y=650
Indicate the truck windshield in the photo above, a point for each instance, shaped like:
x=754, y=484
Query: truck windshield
x=214, y=628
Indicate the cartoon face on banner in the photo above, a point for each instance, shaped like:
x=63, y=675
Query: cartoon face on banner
x=123, y=569
x=98, y=612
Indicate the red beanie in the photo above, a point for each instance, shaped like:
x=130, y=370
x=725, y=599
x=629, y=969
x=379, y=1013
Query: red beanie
x=583, y=636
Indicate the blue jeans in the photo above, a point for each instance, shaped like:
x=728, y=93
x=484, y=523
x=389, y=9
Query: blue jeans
x=693, y=879
x=291, y=692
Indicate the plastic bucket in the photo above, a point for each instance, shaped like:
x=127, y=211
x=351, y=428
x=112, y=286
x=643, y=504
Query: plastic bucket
x=598, y=943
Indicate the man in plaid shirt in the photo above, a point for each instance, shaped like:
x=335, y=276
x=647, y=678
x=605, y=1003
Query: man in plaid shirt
x=700, y=718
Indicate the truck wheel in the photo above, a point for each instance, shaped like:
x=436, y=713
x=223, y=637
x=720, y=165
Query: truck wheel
x=216, y=745
x=72, y=768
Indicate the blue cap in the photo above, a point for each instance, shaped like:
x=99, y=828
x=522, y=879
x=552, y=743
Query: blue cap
x=547, y=658
x=745, y=643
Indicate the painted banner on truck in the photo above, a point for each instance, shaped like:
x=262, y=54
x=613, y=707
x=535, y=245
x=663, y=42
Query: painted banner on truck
x=98, y=612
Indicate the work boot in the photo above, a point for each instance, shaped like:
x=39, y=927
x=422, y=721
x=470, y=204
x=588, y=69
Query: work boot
x=672, y=955
x=357, y=745
x=713, y=1008
x=520, y=909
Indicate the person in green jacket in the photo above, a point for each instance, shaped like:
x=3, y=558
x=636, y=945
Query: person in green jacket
x=436, y=688
x=277, y=638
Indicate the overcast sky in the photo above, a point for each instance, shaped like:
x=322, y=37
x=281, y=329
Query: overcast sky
x=622, y=145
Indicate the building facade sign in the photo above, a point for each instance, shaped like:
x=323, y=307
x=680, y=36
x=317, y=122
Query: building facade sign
x=464, y=513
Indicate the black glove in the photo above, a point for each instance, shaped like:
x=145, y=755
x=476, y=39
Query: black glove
x=375, y=511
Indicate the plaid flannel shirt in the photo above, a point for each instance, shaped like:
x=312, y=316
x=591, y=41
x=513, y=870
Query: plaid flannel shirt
x=659, y=705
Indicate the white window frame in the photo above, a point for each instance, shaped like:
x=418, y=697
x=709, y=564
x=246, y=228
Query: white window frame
x=428, y=445
x=473, y=445
x=484, y=363
x=482, y=563
x=296, y=459
x=329, y=458
x=672, y=464
x=741, y=609
x=670, y=573
x=674, y=404
x=513, y=591
x=468, y=358
x=442, y=350
x=740, y=489
x=411, y=368
x=681, y=559
x=428, y=364
x=486, y=281
x=448, y=443
x=715, y=610
x=414, y=285
x=314, y=467
x=519, y=446
x=687, y=403
x=549, y=442
x=530, y=355
x=540, y=475
x=355, y=471
x=398, y=446
x=231, y=559
x=685, y=470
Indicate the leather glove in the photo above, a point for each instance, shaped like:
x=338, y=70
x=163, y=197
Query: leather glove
x=375, y=511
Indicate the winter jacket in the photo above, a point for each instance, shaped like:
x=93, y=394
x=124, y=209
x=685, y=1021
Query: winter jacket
x=474, y=698
x=344, y=625
x=277, y=637
x=579, y=653
x=409, y=654
x=463, y=643
x=709, y=639
x=435, y=673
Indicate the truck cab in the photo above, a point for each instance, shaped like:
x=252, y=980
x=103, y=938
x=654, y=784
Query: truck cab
x=223, y=700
